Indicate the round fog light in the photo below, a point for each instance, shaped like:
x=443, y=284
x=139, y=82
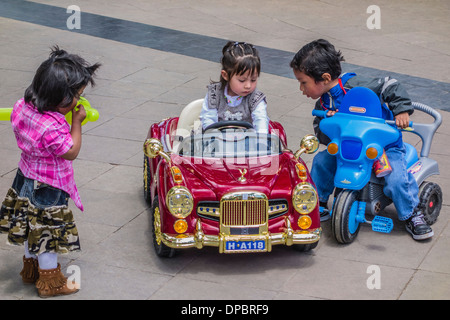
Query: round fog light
x=304, y=222
x=180, y=226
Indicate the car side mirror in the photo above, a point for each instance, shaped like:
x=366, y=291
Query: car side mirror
x=309, y=144
x=154, y=148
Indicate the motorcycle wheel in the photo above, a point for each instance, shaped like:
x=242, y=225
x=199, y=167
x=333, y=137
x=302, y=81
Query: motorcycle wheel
x=430, y=201
x=344, y=225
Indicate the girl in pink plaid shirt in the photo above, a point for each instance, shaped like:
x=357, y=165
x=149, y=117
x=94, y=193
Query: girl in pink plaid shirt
x=35, y=211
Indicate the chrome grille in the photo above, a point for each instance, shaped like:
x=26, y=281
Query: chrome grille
x=244, y=209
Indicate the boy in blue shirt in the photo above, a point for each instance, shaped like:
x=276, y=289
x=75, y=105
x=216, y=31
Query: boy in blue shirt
x=317, y=67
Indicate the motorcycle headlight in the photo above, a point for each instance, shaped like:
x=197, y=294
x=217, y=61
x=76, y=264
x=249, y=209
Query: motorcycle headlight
x=179, y=201
x=304, y=198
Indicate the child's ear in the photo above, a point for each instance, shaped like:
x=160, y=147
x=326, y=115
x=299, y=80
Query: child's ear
x=224, y=75
x=326, y=77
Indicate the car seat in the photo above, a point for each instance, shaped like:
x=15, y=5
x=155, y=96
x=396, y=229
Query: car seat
x=188, y=122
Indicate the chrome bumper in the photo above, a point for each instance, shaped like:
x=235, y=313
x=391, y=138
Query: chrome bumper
x=200, y=240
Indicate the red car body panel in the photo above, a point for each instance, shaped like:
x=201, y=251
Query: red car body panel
x=209, y=179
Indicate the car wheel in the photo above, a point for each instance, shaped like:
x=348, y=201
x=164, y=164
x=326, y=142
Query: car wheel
x=305, y=247
x=430, y=201
x=147, y=180
x=160, y=248
x=344, y=225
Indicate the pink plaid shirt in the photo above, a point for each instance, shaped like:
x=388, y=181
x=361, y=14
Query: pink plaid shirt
x=43, y=138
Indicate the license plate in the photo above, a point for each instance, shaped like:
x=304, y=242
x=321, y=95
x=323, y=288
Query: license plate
x=245, y=245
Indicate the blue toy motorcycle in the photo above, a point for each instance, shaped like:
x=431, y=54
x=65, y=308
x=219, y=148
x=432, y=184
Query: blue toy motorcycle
x=358, y=136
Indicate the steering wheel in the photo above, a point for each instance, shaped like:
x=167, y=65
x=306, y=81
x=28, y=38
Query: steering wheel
x=229, y=124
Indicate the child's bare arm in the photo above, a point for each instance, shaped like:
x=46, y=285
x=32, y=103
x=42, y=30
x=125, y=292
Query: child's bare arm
x=77, y=117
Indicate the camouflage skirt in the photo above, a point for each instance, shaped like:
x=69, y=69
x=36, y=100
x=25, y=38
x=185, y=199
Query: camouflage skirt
x=49, y=229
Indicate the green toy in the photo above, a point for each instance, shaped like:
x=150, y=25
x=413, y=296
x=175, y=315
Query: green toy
x=5, y=114
x=91, y=113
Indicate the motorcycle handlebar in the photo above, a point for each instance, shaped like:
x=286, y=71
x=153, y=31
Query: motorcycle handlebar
x=323, y=114
x=392, y=123
x=319, y=113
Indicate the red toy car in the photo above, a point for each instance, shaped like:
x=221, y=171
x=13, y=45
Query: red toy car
x=229, y=187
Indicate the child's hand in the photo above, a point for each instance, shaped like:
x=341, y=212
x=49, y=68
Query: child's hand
x=331, y=113
x=78, y=114
x=402, y=120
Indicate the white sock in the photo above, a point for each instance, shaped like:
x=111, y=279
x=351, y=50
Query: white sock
x=48, y=260
x=27, y=253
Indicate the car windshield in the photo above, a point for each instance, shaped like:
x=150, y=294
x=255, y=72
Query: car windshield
x=234, y=144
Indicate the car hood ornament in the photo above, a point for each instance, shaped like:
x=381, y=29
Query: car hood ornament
x=242, y=178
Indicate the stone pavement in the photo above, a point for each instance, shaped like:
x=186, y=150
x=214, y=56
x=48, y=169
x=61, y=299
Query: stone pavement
x=158, y=56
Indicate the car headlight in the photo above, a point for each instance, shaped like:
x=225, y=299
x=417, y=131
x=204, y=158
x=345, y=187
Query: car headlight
x=304, y=198
x=179, y=201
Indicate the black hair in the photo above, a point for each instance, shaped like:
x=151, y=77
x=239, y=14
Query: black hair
x=58, y=80
x=316, y=58
x=238, y=58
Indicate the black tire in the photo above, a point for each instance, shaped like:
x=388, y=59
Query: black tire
x=147, y=180
x=305, y=247
x=430, y=201
x=343, y=224
x=161, y=249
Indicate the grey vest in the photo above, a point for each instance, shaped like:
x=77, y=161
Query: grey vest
x=242, y=112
